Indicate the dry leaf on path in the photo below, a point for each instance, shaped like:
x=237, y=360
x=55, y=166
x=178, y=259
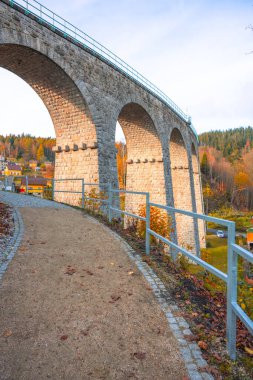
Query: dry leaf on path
x=114, y=298
x=64, y=337
x=7, y=333
x=70, y=270
x=139, y=355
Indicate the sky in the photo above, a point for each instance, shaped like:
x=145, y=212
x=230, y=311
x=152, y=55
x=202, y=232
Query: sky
x=196, y=51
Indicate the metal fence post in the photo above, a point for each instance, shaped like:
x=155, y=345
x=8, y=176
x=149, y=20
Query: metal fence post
x=147, y=224
x=231, y=293
x=53, y=184
x=110, y=202
x=26, y=185
x=82, y=193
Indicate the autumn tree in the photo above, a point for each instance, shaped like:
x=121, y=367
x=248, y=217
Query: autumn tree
x=40, y=153
x=204, y=165
x=121, y=163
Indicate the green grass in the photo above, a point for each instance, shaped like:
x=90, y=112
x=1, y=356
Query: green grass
x=243, y=220
x=216, y=255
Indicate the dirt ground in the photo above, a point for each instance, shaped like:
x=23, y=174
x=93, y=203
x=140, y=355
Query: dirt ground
x=73, y=306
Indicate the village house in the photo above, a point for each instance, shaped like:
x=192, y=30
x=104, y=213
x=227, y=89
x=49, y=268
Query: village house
x=36, y=185
x=12, y=169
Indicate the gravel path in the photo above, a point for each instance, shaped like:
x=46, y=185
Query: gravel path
x=22, y=200
x=74, y=304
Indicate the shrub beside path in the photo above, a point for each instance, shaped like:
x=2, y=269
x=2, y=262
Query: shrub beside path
x=74, y=306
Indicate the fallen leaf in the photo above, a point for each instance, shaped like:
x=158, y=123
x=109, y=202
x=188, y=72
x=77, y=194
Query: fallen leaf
x=130, y=273
x=140, y=355
x=200, y=326
x=204, y=369
x=7, y=333
x=70, y=270
x=217, y=357
x=64, y=337
x=114, y=298
x=248, y=350
x=213, y=371
x=202, y=345
x=191, y=338
x=84, y=332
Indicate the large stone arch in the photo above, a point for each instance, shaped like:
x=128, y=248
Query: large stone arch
x=74, y=128
x=104, y=92
x=145, y=170
x=181, y=187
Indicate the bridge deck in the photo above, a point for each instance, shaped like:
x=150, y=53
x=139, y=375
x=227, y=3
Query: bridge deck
x=74, y=306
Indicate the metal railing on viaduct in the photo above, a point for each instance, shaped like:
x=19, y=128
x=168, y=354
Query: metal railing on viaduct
x=59, y=25
x=104, y=194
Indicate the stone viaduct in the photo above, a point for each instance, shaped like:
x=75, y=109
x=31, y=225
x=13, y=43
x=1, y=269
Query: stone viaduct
x=86, y=96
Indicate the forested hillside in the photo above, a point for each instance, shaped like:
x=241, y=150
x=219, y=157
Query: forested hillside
x=230, y=143
x=24, y=148
x=226, y=159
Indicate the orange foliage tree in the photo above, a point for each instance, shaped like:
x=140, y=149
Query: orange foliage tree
x=160, y=222
x=121, y=163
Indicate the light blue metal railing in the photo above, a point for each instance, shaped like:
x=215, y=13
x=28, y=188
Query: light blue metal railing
x=56, y=23
x=230, y=278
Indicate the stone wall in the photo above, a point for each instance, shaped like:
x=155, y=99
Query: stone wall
x=86, y=97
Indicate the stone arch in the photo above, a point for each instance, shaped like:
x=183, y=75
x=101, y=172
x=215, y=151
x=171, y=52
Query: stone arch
x=145, y=171
x=74, y=128
x=181, y=185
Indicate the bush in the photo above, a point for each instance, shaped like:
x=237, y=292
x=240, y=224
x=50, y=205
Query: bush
x=160, y=222
x=47, y=193
x=92, y=205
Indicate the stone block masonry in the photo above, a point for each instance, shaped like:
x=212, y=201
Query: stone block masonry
x=86, y=97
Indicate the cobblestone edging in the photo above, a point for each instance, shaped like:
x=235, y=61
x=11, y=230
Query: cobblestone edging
x=190, y=352
x=13, y=243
